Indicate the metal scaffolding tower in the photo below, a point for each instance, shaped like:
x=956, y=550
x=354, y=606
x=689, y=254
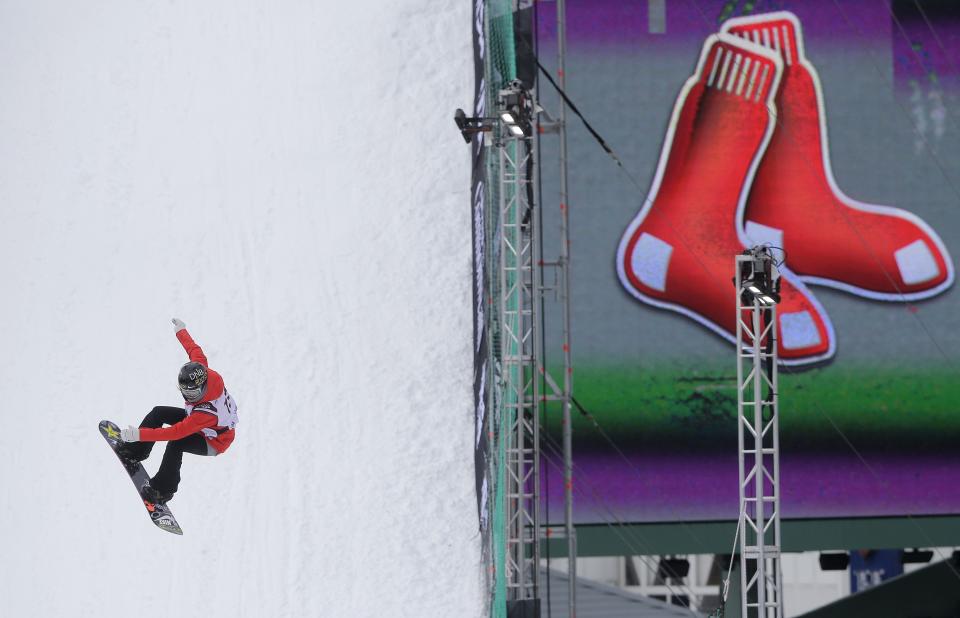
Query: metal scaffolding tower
x=520, y=306
x=526, y=383
x=562, y=393
x=564, y=267
x=758, y=434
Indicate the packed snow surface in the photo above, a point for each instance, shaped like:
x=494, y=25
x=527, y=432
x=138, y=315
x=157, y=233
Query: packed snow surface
x=285, y=176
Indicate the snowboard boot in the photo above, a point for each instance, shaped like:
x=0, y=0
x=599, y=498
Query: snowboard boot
x=130, y=457
x=128, y=451
x=151, y=494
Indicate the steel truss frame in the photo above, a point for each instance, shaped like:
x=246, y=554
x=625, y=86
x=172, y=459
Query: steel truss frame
x=759, y=449
x=521, y=340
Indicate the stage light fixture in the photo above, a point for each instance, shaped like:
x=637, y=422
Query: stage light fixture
x=516, y=109
x=765, y=298
x=516, y=130
x=759, y=278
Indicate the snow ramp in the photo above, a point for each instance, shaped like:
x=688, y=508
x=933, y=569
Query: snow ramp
x=285, y=177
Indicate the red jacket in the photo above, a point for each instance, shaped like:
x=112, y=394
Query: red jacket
x=197, y=419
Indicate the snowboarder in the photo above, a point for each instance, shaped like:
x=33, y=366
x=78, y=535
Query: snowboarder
x=204, y=426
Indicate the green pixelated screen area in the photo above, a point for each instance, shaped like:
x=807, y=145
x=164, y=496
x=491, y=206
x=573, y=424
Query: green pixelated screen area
x=883, y=408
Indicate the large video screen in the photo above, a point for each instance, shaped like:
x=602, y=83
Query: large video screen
x=830, y=130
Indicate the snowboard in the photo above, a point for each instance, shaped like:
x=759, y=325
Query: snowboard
x=160, y=514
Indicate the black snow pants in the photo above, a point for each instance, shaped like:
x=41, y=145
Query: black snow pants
x=167, y=478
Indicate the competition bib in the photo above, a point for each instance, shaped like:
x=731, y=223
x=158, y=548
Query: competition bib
x=223, y=407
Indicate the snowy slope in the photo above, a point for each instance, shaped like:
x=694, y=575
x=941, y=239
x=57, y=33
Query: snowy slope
x=283, y=175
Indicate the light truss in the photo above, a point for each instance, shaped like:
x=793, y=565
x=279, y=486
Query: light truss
x=759, y=443
x=520, y=304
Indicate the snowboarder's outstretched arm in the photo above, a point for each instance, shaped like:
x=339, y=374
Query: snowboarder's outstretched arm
x=201, y=412
x=193, y=350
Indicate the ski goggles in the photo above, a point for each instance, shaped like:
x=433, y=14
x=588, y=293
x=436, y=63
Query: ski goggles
x=194, y=393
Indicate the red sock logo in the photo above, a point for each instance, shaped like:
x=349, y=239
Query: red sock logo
x=874, y=251
x=678, y=252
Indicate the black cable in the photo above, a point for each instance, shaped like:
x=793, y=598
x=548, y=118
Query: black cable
x=573, y=107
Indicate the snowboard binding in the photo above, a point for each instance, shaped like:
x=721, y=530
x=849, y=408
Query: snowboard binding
x=154, y=496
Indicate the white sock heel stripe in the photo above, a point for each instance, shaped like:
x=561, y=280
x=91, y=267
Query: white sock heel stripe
x=916, y=263
x=798, y=330
x=651, y=260
x=760, y=234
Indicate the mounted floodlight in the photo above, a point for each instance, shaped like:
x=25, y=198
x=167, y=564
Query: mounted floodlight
x=516, y=130
x=767, y=299
x=469, y=126
x=759, y=278
x=515, y=107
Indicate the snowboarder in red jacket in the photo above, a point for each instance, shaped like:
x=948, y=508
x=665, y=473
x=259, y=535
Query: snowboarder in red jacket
x=204, y=426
